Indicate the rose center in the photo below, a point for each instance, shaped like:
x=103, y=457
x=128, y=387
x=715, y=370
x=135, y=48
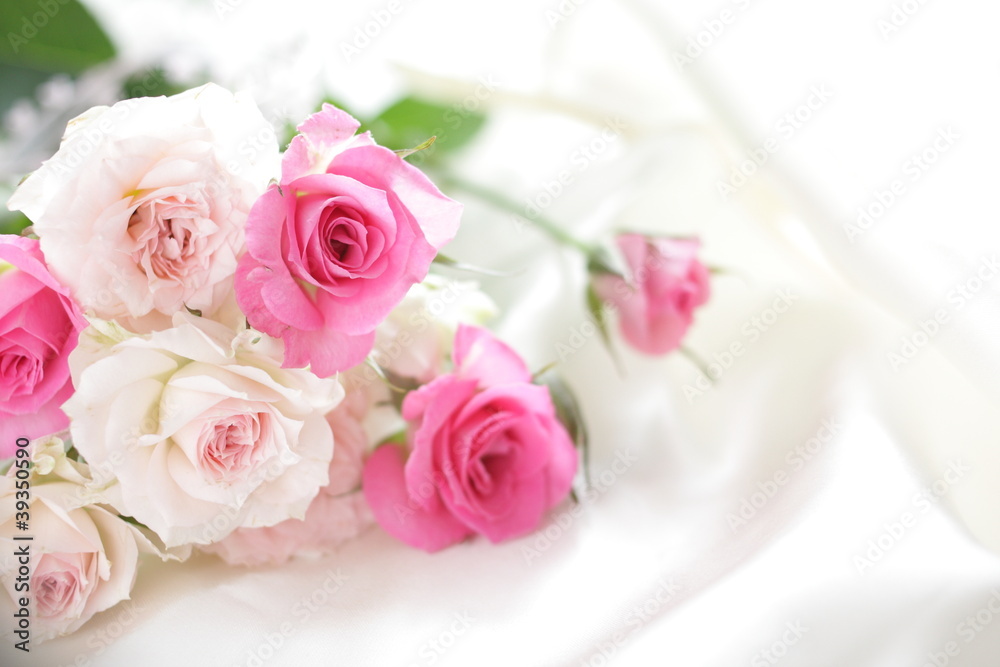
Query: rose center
x=339, y=248
x=20, y=372
x=59, y=583
x=233, y=446
x=346, y=240
x=165, y=232
x=489, y=449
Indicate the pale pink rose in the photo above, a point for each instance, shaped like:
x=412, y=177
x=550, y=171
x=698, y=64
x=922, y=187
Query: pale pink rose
x=337, y=514
x=487, y=453
x=141, y=211
x=337, y=244
x=199, y=428
x=83, y=556
x=656, y=303
x=39, y=326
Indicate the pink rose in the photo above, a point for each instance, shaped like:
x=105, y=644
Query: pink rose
x=666, y=283
x=337, y=244
x=337, y=514
x=487, y=453
x=39, y=326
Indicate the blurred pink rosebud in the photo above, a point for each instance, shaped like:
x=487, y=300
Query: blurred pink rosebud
x=666, y=282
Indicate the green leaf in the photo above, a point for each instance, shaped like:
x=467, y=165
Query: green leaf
x=599, y=311
x=151, y=82
x=600, y=262
x=410, y=121
x=54, y=36
x=397, y=438
x=569, y=413
x=285, y=134
x=40, y=38
x=13, y=223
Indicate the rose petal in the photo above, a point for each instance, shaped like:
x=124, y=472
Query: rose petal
x=437, y=215
x=325, y=352
x=320, y=136
x=428, y=526
x=479, y=355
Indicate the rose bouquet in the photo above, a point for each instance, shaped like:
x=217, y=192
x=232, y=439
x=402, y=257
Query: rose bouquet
x=208, y=344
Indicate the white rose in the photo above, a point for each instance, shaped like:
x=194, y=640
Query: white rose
x=141, y=211
x=415, y=339
x=83, y=557
x=413, y=344
x=200, y=426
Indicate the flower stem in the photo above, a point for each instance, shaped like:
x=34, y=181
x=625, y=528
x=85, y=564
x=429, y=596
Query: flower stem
x=496, y=199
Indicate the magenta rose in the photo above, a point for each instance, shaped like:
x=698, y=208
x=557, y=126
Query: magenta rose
x=39, y=326
x=337, y=244
x=666, y=283
x=487, y=454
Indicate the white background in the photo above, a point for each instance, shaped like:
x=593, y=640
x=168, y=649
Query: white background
x=663, y=525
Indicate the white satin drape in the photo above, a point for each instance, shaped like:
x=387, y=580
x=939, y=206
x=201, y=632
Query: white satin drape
x=820, y=504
